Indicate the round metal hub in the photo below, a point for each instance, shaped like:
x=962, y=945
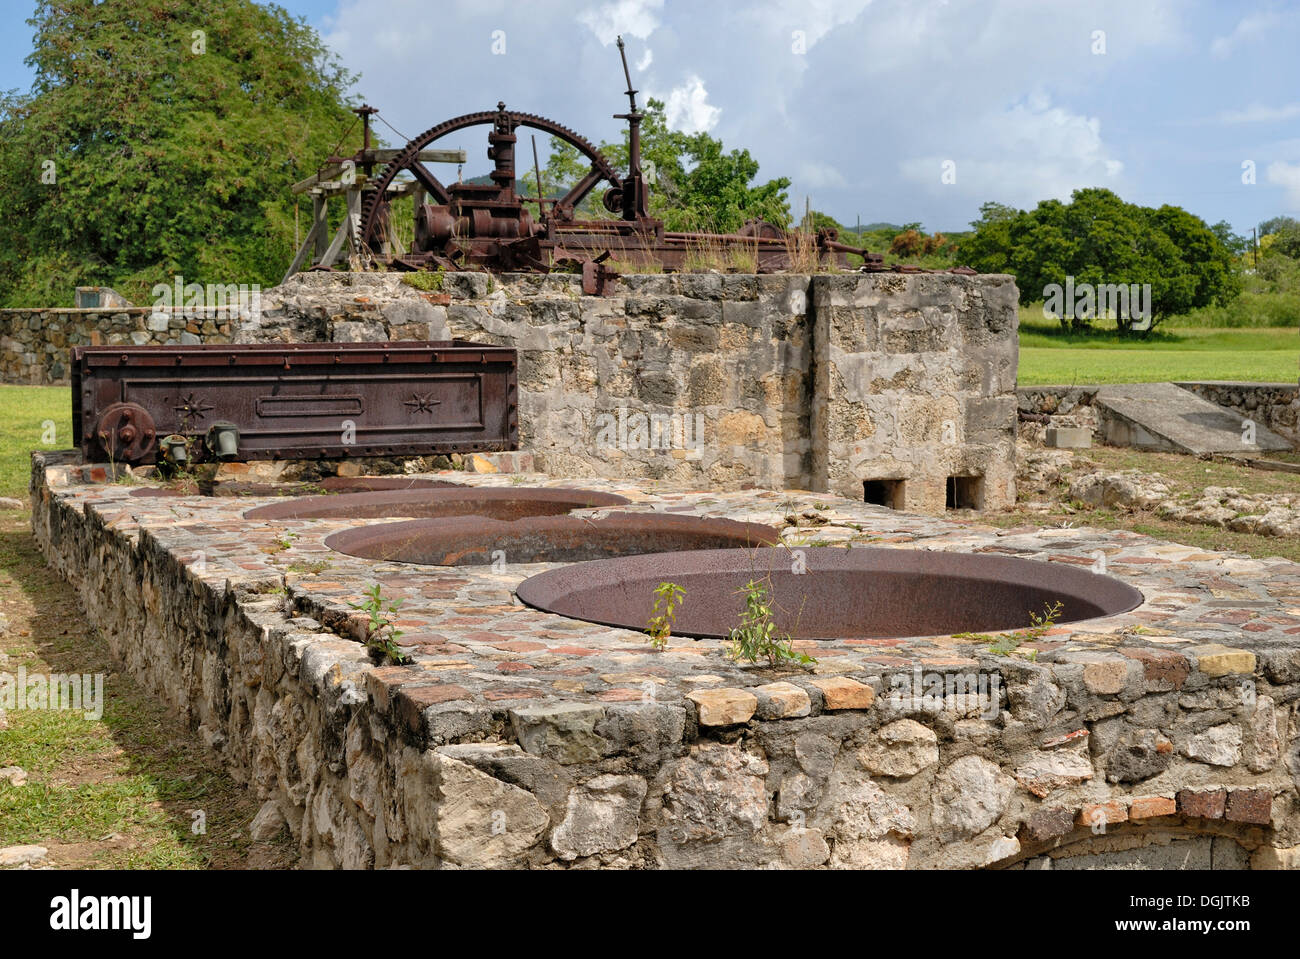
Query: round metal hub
x=832, y=593
x=126, y=432
x=474, y=541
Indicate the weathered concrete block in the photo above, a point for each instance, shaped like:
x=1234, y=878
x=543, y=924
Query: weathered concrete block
x=1069, y=437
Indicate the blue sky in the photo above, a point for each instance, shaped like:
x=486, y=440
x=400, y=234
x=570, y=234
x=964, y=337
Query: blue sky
x=865, y=104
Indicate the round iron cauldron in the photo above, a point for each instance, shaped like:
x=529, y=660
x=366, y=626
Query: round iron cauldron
x=472, y=541
x=498, y=503
x=840, y=594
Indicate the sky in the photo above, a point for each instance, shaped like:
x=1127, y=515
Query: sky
x=883, y=110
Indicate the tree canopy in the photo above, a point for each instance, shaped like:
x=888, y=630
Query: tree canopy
x=1099, y=239
x=160, y=137
x=696, y=185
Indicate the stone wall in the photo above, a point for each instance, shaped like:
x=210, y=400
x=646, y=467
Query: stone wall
x=726, y=381
x=34, y=343
x=1272, y=405
x=915, y=381
x=1141, y=750
x=818, y=382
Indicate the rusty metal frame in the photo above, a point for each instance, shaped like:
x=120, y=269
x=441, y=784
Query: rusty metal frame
x=294, y=400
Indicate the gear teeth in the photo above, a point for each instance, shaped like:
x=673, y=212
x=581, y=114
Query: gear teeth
x=404, y=159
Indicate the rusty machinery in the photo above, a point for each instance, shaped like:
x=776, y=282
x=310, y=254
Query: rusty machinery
x=178, y=405
x=488, y=226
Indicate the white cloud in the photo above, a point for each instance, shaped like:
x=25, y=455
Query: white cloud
x=1027, y=153
x=819, y=176
x=1258, y=113
x=1287, y=176
x=1247, y=29
x=644, y=63
x=814, y=19
x=633, y=18
x=687, y=107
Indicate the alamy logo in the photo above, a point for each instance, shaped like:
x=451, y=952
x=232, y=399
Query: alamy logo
x=216, y=301
x=75, y=912
x=932, y=692
x=1108, y=301
x=81, y=692
x=635, y=430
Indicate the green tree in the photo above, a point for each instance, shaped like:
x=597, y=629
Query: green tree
x=172, y=131
x=1277, y=224
x=1286, y=241
x=1098, y=239
x=1236, y=245
x=697, y=184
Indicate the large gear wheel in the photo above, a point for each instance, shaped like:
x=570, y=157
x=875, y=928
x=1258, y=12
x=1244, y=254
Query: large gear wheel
x=375, y=209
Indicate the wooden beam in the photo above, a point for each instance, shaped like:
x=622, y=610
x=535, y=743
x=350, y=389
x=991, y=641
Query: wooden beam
x=315, y=233
x=336, y=244
x=428, y=156
x=320, y=223
x=327, y=176
x=1275, y=465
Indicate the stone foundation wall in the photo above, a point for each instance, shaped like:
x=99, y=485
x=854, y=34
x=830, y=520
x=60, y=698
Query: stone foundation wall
x=726, y=381
x=805, y=382
x=34, y=343
x=915, y=381
x=1126, y=754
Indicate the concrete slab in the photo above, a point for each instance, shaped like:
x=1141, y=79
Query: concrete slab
x=1168, y=418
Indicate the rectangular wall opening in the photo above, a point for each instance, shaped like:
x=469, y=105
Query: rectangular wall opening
x=883, y=492
x=965, y=492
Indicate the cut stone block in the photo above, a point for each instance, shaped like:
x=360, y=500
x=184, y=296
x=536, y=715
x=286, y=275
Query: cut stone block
x=1069, y=437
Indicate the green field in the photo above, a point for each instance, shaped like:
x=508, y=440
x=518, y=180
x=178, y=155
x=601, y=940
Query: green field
x=25, y=415
x=1257, y=354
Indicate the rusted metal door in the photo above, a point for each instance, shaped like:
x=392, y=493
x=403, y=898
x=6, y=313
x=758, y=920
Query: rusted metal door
x=296, y=401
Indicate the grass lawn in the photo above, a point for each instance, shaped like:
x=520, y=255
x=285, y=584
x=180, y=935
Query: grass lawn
x=25, y=415
x=122, y=791
x=1259, y=354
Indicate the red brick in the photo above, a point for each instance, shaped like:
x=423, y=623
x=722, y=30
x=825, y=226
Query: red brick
x=1203, y=804
x=1065, y=740
x=1250, y=805
x=1160, y=665
x=1149, y=807
x=384, y=682
x=411, y=701
x=1050, y=823
x=1108, y=813
x=498, y=694
x=621, y=695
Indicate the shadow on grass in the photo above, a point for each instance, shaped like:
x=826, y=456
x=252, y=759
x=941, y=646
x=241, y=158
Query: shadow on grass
x=138, y=771
x=1096, y=335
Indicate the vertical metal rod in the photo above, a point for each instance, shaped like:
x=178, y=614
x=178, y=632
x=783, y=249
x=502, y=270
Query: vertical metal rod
x=537, y=168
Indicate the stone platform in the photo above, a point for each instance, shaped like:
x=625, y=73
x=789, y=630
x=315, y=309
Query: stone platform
x=516, y=738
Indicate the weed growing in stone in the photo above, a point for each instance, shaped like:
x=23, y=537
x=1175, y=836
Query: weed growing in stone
x=281, y=544
x=381, y=635
x=424, y=280
x=756, y=636
x=1004, y=644
x=668, y=596
x=312, y=569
